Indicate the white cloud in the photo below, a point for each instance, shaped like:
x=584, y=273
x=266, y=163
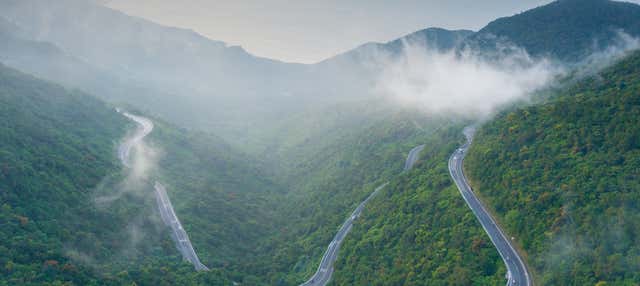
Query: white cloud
x=461, y=83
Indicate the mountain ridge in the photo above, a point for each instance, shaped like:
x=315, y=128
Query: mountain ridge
x=566, y=30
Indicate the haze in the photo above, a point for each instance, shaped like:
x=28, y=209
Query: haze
x=310, y=31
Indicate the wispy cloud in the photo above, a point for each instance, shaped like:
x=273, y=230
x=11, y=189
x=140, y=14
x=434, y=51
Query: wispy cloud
x=462, y=83
x=140, y=160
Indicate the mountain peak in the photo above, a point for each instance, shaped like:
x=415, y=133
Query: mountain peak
x=567, y=30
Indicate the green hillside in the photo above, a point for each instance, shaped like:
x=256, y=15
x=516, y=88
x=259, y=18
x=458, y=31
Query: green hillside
x=327, y=183
x=57, y=159
x=568, y=30
x=419, y=231
x=309, y=143
x=564, y=179
x=226, y=205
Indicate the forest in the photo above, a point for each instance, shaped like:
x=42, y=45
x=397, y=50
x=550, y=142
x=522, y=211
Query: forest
x=419, y=231
x=563, y=177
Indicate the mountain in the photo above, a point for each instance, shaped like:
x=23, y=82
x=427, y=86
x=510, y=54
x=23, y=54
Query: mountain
x=565, y=30
x=55, y=148
x=184, y=77
x=209, y=84
x=318, y=141
x=136, y=47
x=431, y=38
x=419, y=230
x=19, y=50
x=360, y=68
x=58, y=155
x=563, y=178
x=69, y=218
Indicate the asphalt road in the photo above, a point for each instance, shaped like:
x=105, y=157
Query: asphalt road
x=412, y=158
x=168, y=215
x=145, y=126
x=322, y=276
x=517, y=273
x=178, y=233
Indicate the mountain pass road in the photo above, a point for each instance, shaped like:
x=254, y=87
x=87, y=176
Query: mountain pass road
x=517, y=273
x=322, y=276
x=168, y=215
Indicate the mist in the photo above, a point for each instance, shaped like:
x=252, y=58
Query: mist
x=462, y=83
x=140, y=160
x=133, y=185
x=622, y=45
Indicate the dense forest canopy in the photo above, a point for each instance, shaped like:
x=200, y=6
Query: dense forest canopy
x=563, y=177
x=264, y=160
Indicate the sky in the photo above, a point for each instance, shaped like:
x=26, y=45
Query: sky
x=307, y=31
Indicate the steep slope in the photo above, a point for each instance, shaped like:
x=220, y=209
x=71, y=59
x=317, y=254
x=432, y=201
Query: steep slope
x=418, y=231
x=42, y=58
x=567, y=30
x=225, y=201
x=21, y=50
x=354, y=74
x=72, y=216
x=208, y=83
x=56, y=147
x=185, y=78
x=198, y=83
x=325, y=185
x=431, y=38
x=563, y=177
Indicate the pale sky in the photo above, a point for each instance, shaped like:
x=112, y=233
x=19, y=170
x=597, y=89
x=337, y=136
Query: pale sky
x=309, y=31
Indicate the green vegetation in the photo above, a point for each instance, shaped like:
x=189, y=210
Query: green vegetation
x=329, y=178
x=419, y=231
x=225, y=206
x=569, y=30
x=70, y=220
x=564, y=178
x=56, y=157
x=55, y=147
x=67, y=211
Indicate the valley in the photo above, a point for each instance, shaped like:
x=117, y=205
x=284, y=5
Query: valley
x=133, y=152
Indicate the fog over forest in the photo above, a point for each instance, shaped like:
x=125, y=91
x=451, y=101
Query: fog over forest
x=135, y=151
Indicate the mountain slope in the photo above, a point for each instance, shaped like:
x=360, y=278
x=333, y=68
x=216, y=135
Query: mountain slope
x=55, y=148
x=419, y=231
x=213, y=187
x=73, y=216
x=563, y=177
x=431, y=38
x=207, y=83
x=567, y=30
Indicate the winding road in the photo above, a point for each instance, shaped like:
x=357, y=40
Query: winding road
x=145, y=126
x=168, y=215
x=517, y=272
x=322, y=276
x=412, y=158
x=178, y=233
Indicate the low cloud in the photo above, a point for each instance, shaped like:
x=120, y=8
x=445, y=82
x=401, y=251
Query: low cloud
x=462, y=83
x=117, y=192
x=140, y=163
x=143, y=165
x=621, y=46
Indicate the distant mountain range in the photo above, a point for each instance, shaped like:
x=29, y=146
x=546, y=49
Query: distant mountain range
x=289, y=150
x=209, y=85
x=565, y=30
